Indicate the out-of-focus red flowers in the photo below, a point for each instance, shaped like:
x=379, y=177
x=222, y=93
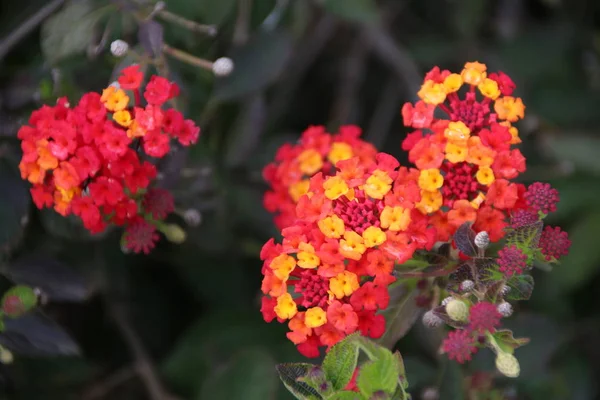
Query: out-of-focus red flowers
x=87, y=160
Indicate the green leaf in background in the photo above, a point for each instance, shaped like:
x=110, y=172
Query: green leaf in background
x=249, y=375
x=546, y=337
x=346, y=395
x=213, y=340
x=578, y=195
x=381, y=374
x=56, y=280
x=451, y=386
x=581, y=150
x=521, y=287
x=581, y=264
x=400, y=315
x=35, y=334
x=71, y=30
x=247, y=132
x=257, y=64
x=527, y=236
x=208, y=12
x=364, y=11
x=14, y=206
x=289, y=374
x=340, y=362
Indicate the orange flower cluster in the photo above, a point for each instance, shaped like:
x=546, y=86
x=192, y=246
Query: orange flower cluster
x=330, y=275
x=317, y=151
x=465, y=160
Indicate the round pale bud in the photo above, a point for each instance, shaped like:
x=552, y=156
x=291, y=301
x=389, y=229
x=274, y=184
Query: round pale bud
x=222, y=66
x=119, y=48
x=467, y=286
x=505, y=309
x=431, y=320
x=457, y=310
x=159, y=6
x=6, y=357
x=508, y=365
x=447, y=300
x=430, y=393
x=482, y=240
x=174, y=233
x=504, y=291
x=192, y=217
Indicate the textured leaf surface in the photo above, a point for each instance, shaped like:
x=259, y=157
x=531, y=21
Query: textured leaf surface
x=464, y=238
x=340, y=362
x=289, y=374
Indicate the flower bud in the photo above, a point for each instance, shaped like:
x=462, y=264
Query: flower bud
x=119, y=48
x=431, y=320
x=192, y=217
x=482, y=240
x=467, y=286
x=174, y=233
x=18, y=300
x=504, y=291
x=508, y=365
x=222, y=66
x=457, y=310
x=6, y=356
x=505, y=309
x=447, y=300
x=430, y=393
x=160, y=5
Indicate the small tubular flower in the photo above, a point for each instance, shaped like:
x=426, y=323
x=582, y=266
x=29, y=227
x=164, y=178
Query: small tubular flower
x=317, y=152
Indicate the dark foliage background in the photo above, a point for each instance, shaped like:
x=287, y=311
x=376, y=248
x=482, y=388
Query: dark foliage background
x=188, y=314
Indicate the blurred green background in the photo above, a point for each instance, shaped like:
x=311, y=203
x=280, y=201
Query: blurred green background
x=185, y=320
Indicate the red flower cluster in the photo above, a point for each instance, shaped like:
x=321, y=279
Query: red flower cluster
x=465, y=160
x=88, y=160
x=330, y=275
x=317, y=151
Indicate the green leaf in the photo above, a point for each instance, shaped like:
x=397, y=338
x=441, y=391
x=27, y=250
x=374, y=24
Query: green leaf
x=363, y=11
x=340, y=363
x=14, y=206
x=451, y=386
x=257, y=64
x=401, y=369
x=35, y=334
x=71, y=30
x=56, y=280
x=381, y=374
x=346, y=395
x=580, y=149
x=521, y=287
x=208, y=12
x=248, y=376
x=581, y=264
x=527, y=236
x=507, y=342
x=289, y=374
x=400, y=315
x=316, y=379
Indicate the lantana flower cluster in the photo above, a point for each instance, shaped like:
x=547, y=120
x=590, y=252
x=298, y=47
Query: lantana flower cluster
x=316, y=151
x=94, y=160
x=466, y=160
x=353, y=228
x=330, y=275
